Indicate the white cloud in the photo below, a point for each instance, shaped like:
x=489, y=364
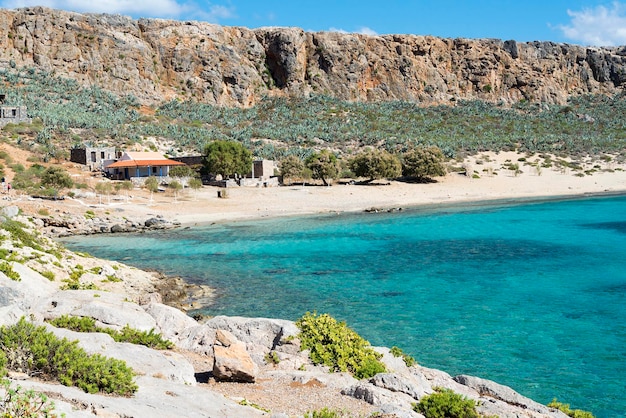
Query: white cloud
x=362, y=31
x=173, y=9
x=367, y=31
x=599, y=26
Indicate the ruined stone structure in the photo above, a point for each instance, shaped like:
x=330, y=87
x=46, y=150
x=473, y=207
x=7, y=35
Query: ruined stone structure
x=95, y=158
x=12, y=114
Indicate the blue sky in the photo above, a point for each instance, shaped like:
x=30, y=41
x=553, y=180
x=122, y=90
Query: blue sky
x=585, y=22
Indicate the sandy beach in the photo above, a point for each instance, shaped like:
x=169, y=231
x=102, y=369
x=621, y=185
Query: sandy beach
x=492, y=179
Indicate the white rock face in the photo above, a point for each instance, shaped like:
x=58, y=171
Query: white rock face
x=108, y=309
x=170, y=321
x=166, y=365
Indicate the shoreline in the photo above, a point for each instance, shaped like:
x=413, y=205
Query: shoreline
x=425, y=208
x=87, y=213
x=491, y=180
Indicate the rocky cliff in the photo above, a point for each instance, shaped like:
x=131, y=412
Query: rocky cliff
x=157, y=60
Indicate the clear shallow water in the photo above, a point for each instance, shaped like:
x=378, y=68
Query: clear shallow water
x=532, y=296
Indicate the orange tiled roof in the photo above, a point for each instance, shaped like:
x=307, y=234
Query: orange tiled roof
x=143, y=163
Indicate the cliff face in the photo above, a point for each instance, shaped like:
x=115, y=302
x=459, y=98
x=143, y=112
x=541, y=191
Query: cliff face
x=157, y=60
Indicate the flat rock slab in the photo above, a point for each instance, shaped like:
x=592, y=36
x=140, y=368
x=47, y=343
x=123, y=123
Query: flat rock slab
x=108, y=309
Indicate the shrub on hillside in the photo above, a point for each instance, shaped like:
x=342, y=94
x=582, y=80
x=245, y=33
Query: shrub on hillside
x=34, y=350
x=574, y=413
x=445, y=403
x=337, y=346
x=149, y=339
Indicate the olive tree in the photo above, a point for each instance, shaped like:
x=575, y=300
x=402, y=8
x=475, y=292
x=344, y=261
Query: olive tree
x=181, y=171
x=176, y=186
x=375, y=164
x=125, y=185
x=56, y=178
x=195, y=184
x=423, y=163
x=323, y=165
x=227, y=158
x=291, y=167
x=104, y=187
x=152, y=184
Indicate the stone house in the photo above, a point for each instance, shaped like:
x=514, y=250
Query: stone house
x=95, y=158
x=140, y=164
x=12, y=114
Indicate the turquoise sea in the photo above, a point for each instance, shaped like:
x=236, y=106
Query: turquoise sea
x=531, y=295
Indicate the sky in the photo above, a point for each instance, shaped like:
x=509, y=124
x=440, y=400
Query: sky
x=583, y=22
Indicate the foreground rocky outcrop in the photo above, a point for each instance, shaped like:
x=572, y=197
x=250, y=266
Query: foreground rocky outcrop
x=155, y=59
x=222, y=348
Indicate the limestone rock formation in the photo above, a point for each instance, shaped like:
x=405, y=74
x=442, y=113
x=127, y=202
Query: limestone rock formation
x=232, y=361
x=156, y=60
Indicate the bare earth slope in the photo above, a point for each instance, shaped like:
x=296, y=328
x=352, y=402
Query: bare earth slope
x=156, y=59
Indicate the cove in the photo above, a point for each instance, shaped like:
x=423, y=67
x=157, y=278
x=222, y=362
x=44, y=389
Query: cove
x=530, y=295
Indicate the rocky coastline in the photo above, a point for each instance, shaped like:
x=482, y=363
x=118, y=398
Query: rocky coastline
x=219, y=367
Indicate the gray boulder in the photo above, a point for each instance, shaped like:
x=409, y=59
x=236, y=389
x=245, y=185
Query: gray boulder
x=170, y=321
x=199, y=339
x=399, y=384
x=261, y=335
x=26, y=292
x=9, y=212
x=155, y=222
x=378, y=396
x=117, y=228
x=9, y=315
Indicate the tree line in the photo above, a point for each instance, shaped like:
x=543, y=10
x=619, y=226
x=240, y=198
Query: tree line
x=228, y=158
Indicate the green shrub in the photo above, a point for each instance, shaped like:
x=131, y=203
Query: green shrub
x=149, y=339
x=574, y=413
x=272, y=358
x=245, y=402
x=6, y=268
x=337, y=346
x=127, y=334
x=3, y=364
x=397, y=352
x=18, y=402
x=47, y=274
x=324, y=413
x=445, y=403
x=112, y=278
x=75, y=323
x=34, y=350
x=20, y=235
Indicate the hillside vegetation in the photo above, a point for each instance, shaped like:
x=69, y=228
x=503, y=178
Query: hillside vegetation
x=65, y=114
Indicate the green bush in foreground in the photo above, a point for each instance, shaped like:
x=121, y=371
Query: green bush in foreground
x=337, y=346
x=574, y=413
x=445, y=403
x=127, y=334
x=34, y=350
x=18, y=402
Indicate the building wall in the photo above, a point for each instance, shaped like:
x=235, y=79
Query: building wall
x=93, y=157
x=13, y=114
x=263, y=168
